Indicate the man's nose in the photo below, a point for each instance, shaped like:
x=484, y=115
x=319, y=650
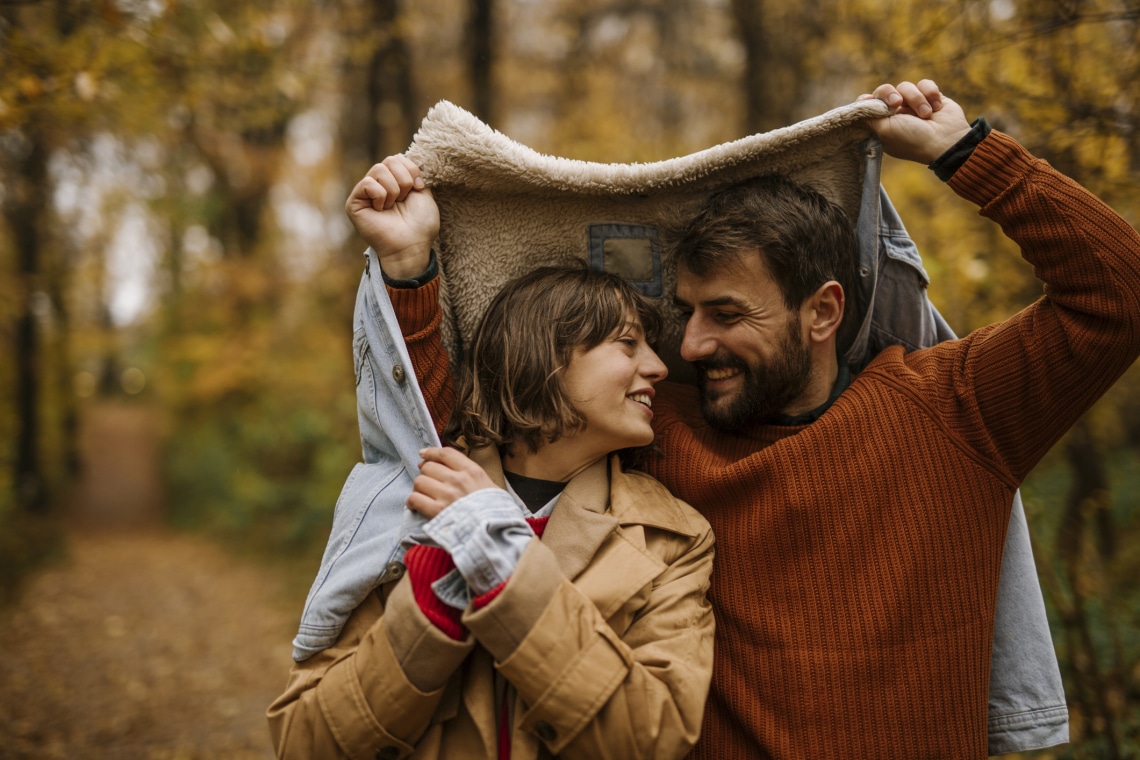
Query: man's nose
x=696, y=344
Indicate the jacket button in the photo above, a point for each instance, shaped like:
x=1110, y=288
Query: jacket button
x=393, y=572
x=398, y=374
x=545, y=731
x=387, y=753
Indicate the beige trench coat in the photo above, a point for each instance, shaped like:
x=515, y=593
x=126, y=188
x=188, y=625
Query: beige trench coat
x=603, y=629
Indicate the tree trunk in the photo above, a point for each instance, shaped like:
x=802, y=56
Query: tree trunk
x=780, y=43
x=758, y=94
x=480, y=44
x=1088, y=497
x=391, y=95
x=22, y=209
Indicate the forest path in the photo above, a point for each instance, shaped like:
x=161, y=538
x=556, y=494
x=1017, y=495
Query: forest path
x=143, y=643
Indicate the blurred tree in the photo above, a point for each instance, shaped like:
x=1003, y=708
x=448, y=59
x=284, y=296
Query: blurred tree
x=23, y=201
x=233, y=90
x=46, y=50
x=781, y=42
x=60, y=60
x=380, y=109
x=481, y=48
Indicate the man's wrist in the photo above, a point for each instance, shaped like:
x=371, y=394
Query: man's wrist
x=412, y=275
x=953, y=158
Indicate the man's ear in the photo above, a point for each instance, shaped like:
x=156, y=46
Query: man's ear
x=823, y=312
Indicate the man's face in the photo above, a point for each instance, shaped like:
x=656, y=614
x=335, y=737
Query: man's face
x=748, y=348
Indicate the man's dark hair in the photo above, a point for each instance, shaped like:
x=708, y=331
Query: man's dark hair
x=804, y=239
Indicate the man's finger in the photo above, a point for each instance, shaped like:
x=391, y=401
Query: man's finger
x=889, y=95
x=383, y=176
x=930, y=91
x=914, y=99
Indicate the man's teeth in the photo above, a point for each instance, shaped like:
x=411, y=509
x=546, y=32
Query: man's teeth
x=721, y=374
x=642, y=398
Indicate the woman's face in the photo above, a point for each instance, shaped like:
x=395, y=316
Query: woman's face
x=611, y=385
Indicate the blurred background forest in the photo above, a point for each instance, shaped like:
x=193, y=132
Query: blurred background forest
x=172, y=180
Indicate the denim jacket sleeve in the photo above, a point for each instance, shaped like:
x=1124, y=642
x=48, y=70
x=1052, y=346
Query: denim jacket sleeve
x=370, y=518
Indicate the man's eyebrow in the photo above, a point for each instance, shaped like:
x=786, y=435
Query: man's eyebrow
x=718, y=301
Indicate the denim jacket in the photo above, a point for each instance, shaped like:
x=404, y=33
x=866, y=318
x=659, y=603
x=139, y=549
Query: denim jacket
x=1026, y=705
x=370, y=518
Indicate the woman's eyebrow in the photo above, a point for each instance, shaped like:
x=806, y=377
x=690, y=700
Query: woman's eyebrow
x=631, y=326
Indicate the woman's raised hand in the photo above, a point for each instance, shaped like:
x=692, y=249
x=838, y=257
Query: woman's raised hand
x=446, y=474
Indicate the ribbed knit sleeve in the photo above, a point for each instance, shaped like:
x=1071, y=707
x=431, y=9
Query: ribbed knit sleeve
x=418, y=312
x=1017, y=386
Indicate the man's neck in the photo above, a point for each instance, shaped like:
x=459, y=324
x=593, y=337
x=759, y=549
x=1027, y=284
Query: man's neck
x=825, y=371
x=842, y=380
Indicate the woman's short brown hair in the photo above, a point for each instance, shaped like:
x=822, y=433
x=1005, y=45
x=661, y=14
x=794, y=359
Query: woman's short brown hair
x=510, y=387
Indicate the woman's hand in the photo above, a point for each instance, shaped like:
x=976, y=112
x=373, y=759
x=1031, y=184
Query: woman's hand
x=446, y=475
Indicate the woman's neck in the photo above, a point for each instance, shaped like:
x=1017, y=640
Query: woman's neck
x=560, y=461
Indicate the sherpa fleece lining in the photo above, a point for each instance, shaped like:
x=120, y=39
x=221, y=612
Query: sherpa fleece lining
x=506, y=209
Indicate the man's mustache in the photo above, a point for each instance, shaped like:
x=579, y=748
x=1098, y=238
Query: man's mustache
x=720, y=361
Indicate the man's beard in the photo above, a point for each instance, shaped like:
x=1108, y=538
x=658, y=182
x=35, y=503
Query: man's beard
x=768, y=387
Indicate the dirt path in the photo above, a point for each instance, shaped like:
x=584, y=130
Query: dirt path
x=144, y=643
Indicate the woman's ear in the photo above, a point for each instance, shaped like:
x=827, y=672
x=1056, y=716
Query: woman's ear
x=823, y=312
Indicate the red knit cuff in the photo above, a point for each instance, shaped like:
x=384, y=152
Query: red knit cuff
x=426, y=565
x=483, y=600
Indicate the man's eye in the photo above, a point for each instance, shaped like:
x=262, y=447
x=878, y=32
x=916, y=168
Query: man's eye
x=727, y=317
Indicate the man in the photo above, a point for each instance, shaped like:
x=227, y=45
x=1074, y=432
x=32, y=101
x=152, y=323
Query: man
x=859, y=520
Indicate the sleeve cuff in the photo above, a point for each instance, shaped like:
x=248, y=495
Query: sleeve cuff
x=485, y=533
x=419, y=280
x=417, y=309
x=483, y=600
x=949, y=162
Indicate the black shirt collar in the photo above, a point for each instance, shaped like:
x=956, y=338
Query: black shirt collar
x=842, y=380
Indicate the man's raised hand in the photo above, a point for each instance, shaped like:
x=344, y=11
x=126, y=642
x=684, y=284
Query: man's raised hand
x=925, y=124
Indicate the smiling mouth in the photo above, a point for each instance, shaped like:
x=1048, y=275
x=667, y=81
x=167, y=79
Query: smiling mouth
x=642, y=398
x=721, y=373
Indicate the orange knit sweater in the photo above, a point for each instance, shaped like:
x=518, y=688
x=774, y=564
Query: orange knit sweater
x=858, y=556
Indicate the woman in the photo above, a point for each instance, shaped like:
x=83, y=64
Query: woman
x=556, y=604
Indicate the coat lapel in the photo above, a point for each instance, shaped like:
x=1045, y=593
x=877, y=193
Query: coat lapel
x=605, y=563
x=581, y=520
